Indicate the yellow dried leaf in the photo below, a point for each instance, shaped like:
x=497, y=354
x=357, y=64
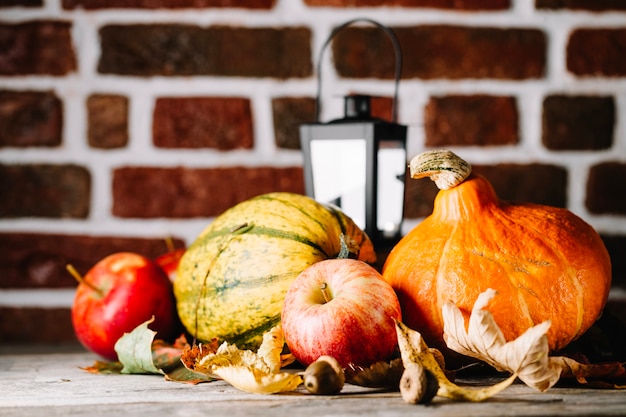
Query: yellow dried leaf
x=527, y=357
x=272, y=347
x=413, y=349
x=256, y=381
x=248, y=371
x=229, y=355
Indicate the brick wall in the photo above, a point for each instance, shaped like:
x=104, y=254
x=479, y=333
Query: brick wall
x=123, y=123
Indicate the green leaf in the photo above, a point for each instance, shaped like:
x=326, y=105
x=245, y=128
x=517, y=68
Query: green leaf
x=134, y=351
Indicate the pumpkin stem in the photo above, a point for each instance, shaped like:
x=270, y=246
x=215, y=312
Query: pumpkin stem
x=325, y=293
x=445, y=168
x=349, y=248
x=344, y=252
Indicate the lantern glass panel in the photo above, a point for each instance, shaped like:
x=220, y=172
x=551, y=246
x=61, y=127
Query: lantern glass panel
x=339, y=175
x=390, y=193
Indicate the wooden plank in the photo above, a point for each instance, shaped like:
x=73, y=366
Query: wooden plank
x=53, y=384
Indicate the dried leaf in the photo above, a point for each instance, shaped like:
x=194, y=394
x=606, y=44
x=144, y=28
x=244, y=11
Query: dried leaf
x=184, y=375
x=272, y=347
x=602, y=374
x=378, y=375
x=413, y=349
x=169, y=358
x=247, y=371
x=105, y=368
x=193, y=354
x=257, y=381
x=527, y=356
x=165, y=356
x=229, y=355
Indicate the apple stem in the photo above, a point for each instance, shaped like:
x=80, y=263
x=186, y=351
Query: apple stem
x=169, y=242
x=70, y=268
x=325, y=293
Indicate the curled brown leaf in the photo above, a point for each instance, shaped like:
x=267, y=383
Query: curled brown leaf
x=378, y=375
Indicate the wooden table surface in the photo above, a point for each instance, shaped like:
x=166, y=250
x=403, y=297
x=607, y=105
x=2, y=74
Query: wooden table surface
x=52, y=384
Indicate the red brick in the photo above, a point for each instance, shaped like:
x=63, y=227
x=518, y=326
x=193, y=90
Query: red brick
x=527, y=183
x=288, y=113
x=382, y=108
x=146, y=192
x=592, y=5
x=436, y=4
x=107, y=120
x=606, y=188
x=33, y=260
x=28, y=325
x=171, y=49
x=21, y=3
x=29, y=118
x=44, y=190
x=224, y=123
x=419, y=196
x=578, y=122
x=438, y=51
x=471, y=120
x=597, y=52
x=36, y=48
x=532, y=183
x=167, y=4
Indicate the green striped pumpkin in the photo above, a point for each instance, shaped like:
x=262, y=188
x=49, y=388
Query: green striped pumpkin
x=231, y=281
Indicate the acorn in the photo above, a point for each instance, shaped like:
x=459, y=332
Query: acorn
x=418, y=385
x=324, y=376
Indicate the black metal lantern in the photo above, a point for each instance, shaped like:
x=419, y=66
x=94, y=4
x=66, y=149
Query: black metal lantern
x=358, y=162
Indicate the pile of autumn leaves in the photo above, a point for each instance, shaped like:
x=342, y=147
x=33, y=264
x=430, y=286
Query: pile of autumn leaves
x=263, y=372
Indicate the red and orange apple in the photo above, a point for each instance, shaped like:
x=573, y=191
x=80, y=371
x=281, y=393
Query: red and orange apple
x=341, y=308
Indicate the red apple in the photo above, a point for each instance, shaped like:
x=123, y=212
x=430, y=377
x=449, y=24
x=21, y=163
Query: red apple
x=341, y=308
x=119, y=293
x=169, y=262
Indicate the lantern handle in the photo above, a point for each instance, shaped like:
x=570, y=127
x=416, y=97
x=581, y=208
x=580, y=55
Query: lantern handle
x=398, y=63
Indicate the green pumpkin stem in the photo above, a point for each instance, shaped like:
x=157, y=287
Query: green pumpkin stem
x=349, y=248
x=344, y=252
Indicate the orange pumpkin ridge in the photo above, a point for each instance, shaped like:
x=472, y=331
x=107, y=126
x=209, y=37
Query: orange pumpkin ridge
x=545, y=263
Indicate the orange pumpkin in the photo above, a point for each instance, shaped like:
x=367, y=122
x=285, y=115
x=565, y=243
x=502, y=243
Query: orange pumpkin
x=544, y=262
